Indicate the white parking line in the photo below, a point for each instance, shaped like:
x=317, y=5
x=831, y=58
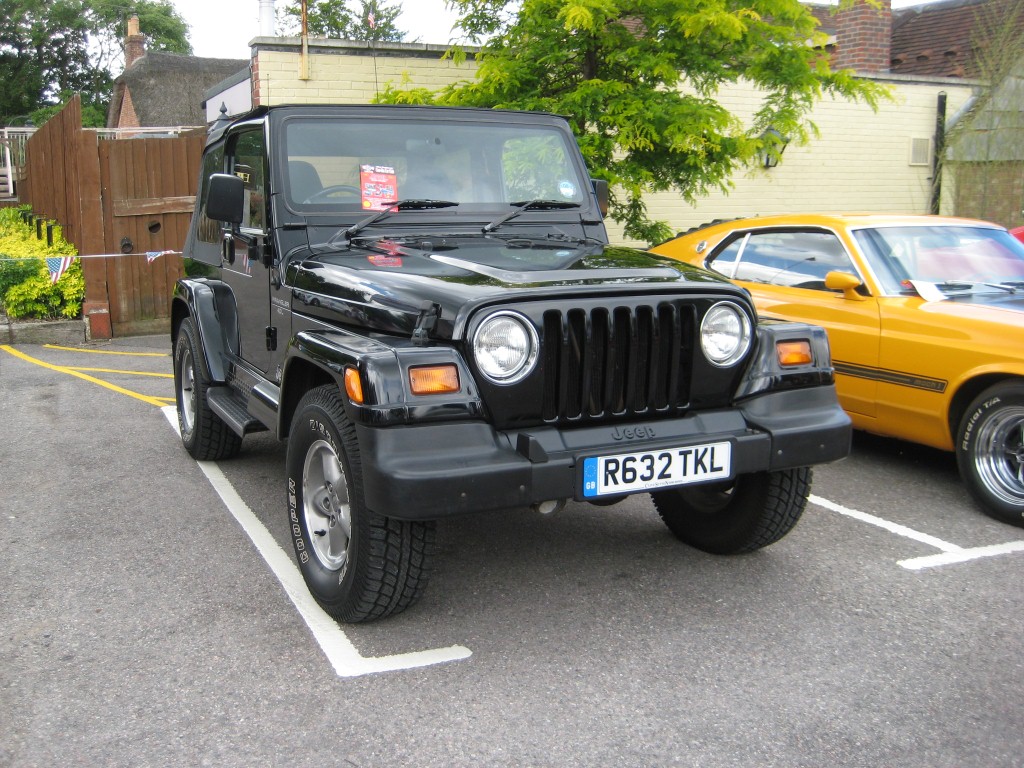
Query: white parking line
x=951, y=553
x=899, y=530
x=340, y=651
x=948, y=558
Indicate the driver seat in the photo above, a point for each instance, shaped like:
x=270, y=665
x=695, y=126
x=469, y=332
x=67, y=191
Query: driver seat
x=303, y=180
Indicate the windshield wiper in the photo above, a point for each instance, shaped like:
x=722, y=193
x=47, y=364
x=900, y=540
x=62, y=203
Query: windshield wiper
x=931, y=290
x=523, y=206
x=412, y=204
x=1010, y=286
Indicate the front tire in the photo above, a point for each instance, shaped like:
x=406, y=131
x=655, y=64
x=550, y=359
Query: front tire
x=203, y=433
x=357, y=564
x=744, y=515
x=990, y=452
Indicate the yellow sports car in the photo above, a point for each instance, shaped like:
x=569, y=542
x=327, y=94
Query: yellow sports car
x=925, y=316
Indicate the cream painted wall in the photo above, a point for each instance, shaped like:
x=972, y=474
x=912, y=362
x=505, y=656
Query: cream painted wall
x=343, y=71
x=860, y=161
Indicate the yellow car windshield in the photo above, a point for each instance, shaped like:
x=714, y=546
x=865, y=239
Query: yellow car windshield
x=941, y=254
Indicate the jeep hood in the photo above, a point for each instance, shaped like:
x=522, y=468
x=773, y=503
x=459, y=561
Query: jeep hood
x=385, y=284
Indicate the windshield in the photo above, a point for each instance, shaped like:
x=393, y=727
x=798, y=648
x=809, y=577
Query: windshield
x=366, y=164
x=941, y=254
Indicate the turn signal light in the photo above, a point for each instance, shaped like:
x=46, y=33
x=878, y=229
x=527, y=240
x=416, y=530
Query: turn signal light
x=434, y=379
x=794, y=353
x=353, y=385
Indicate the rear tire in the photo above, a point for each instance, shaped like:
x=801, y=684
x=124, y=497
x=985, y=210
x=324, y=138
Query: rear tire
x=205, y=436
x=357, y=564
x=741, y=516
x=990, y=452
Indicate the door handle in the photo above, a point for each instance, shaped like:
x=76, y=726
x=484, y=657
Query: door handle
x=227, y=248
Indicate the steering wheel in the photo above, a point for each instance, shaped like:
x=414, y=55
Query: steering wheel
x=327, y=192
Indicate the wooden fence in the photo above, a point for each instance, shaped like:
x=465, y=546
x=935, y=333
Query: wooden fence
x=121, y=198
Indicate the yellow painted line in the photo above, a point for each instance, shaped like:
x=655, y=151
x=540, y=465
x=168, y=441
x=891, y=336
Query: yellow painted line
x=115, y=370
x=157, y=401
x=107, y=351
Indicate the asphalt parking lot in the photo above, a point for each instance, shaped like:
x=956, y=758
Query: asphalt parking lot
x=152, y=614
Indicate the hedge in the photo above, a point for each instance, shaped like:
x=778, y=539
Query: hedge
x=25, y=287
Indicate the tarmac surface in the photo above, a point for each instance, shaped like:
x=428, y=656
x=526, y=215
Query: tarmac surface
x=148, y=617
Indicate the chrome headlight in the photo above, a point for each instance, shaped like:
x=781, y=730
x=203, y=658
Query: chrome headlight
x=725, y=334
x=505, y=347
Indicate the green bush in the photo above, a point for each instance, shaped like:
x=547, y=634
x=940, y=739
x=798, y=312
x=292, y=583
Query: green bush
x=25, y=287
x=14, y=272
x=37, y=297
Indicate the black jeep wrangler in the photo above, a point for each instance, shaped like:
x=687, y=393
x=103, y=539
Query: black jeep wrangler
x=424, y=304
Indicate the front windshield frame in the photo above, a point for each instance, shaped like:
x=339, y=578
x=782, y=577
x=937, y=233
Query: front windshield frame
x=956, y=254
x=368, y=162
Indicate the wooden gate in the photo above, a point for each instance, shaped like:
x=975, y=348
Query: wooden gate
x=148, y=190
x=123, y=196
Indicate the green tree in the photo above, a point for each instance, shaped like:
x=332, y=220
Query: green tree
x=376, y=21
x=50, y=48
x=639, y=80
x=43, y=51
x=159, y=23
x=345, y=19
x=94, y=115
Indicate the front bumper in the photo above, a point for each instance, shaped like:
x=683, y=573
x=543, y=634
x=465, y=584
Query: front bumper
x=429, y=471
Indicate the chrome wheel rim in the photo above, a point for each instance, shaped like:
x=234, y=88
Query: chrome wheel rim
x=1000, y=458
x=325, y=506
x=187, y=392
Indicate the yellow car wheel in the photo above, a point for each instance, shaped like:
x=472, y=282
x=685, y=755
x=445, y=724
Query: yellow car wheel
x=990, y=451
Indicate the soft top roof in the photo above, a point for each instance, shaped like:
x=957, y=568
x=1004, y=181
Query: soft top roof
x=406, y=111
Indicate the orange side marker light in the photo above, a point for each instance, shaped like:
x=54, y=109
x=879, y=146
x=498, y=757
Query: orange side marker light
x=794, y=353
x=354, y=385
x=434, y=379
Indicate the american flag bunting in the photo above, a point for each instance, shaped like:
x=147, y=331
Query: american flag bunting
x=58, y=265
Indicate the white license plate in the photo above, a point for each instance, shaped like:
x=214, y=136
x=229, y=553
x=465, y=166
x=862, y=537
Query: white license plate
x=648, y=470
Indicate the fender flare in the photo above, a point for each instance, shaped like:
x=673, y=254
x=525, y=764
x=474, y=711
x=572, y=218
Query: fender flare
x=383, y=367
x=211, y=305
x=326, y=354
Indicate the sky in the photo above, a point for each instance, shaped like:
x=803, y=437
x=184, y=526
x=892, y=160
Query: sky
x=222, y=29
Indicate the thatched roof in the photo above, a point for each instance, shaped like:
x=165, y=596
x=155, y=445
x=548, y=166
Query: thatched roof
x=167, y=89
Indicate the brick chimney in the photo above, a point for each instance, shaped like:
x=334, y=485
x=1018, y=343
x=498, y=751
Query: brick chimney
x=864, y=37
x=134, y=44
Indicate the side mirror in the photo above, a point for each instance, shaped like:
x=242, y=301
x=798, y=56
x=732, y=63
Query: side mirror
x=845, y=282
x=601, y=190
x=226, y=198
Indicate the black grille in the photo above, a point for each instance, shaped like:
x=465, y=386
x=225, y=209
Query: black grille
x=618, y=361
